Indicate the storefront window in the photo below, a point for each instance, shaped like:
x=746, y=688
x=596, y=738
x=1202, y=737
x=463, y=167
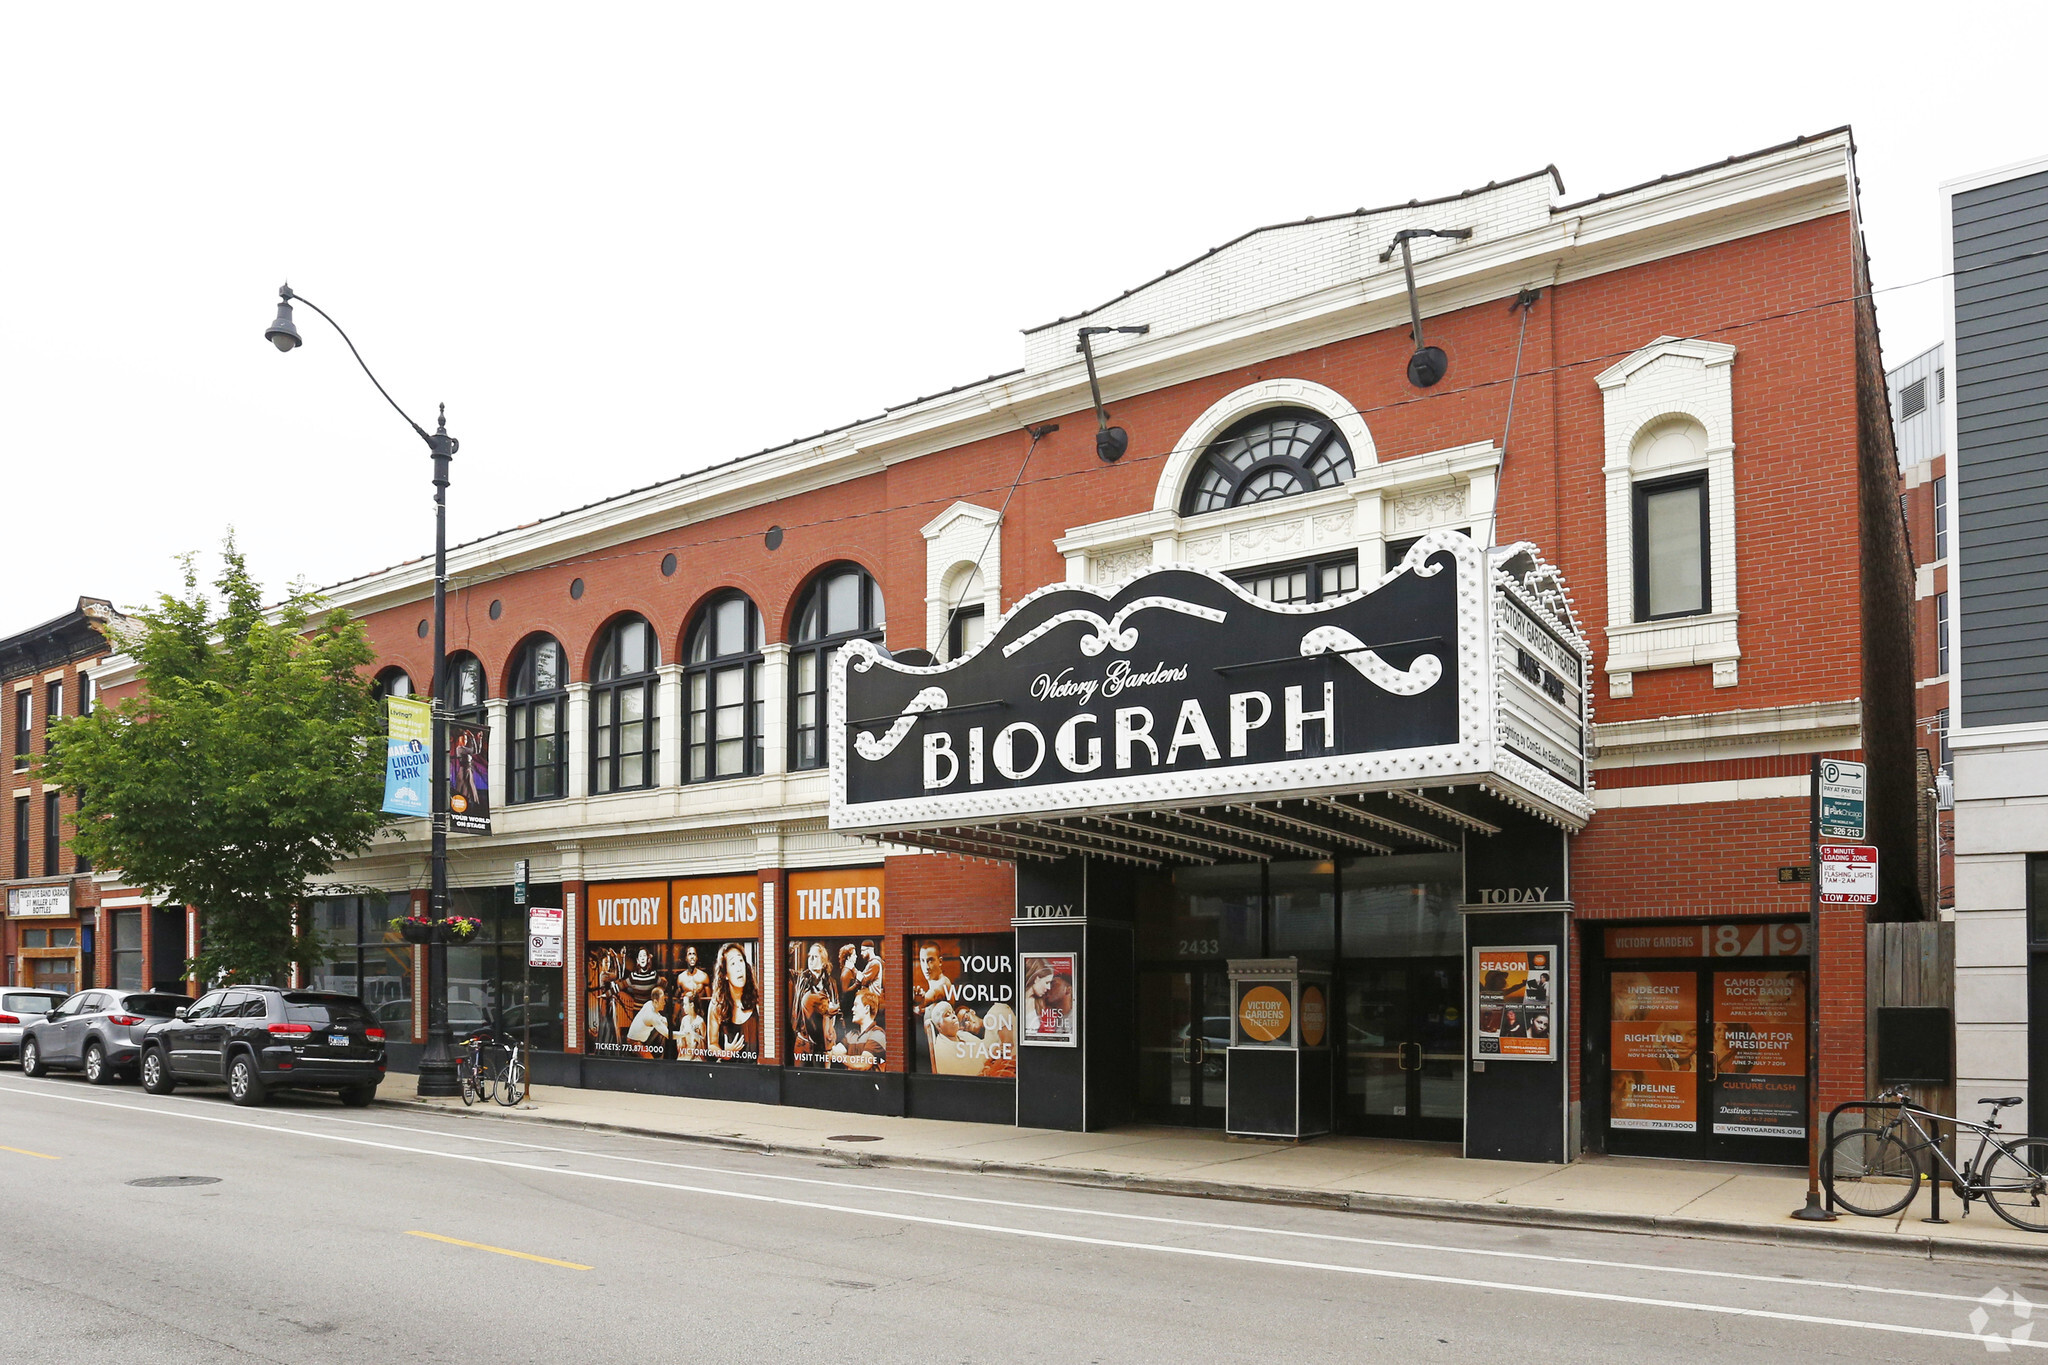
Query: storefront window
x=127, y=926
x=489, y=983
x=1403, y=906
x=1215, y=913
x=362, y=955
x=1304, y=899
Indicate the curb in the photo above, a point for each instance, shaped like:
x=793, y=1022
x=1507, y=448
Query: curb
x=1919, y=1245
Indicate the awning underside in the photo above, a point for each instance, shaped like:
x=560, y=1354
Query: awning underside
x=1375, y=824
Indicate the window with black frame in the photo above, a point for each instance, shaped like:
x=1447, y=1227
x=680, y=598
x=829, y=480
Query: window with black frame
x=392, y=682
x=361, y=954
x=536, y=711
x=1671, y=546
x=1312, y=581
x=624, y=731
x=466, y=691
x=1275, y=453
x=841, y=604
x=489, y=983
x=723, y=682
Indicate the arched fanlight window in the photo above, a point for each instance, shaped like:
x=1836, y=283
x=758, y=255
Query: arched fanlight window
x=392, y=682
x=723, y=679
x=537, y=742
x=1274, y=453
x=843, y=603
x=466, y=691
x=624, y=735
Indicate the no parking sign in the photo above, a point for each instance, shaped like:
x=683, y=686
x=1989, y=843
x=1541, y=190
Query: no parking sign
x=543, y=937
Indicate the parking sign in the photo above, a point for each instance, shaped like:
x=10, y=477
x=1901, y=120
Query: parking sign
x=1848, y=874
x=543, y=937
x=1842, y=786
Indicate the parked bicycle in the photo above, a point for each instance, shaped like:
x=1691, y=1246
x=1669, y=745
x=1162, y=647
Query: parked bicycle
x=490, y=1068
x=1876, y=1170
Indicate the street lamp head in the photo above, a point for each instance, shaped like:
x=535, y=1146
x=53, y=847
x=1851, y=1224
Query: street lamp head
x=281, y=333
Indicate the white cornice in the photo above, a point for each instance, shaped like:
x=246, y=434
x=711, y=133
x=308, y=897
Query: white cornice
x=1701, y=209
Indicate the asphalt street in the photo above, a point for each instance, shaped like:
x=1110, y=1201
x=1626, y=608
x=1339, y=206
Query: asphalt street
x=386, y=1235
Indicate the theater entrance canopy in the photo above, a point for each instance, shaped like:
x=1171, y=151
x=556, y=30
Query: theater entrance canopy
x=1178, y=719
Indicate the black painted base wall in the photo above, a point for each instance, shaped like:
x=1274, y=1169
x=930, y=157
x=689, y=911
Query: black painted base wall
x=1516, y=1111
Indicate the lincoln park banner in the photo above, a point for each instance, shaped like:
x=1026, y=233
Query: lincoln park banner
x=1180, y=686
x=408, y=762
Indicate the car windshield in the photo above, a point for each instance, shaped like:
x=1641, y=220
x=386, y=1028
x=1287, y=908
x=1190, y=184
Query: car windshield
x=326, y=1011
x=155, y=1006
x=29, y=1002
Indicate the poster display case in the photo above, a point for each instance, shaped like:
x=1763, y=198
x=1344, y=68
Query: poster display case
x=1277, y=1080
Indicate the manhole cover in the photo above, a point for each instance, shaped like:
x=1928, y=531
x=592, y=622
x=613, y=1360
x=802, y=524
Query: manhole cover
x=853, y=1137
x=164, y=1182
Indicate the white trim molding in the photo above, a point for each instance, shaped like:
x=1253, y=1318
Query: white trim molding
x=1671, y=381
x=1268, y=393
x=957, y=542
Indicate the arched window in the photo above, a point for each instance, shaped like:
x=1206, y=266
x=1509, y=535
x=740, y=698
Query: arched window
x=724, y=682
x=843, y=603
x=1275, y=453
x=537, y=747
x=392, y=682
x=624, y=735
x=466, y=690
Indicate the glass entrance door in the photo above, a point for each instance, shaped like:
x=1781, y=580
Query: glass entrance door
x=1183, y=1030
x=1404, y=1042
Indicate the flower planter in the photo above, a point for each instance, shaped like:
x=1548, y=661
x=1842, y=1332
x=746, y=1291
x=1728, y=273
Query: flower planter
x=416, y=931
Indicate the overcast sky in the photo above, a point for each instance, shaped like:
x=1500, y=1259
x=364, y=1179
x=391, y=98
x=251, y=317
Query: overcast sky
x=621, y=241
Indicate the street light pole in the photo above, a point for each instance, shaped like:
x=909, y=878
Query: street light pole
x=437, y=1077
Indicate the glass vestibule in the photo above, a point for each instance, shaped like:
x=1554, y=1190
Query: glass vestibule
x=1391, y=928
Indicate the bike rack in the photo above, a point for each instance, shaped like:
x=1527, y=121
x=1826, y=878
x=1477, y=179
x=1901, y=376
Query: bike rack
x=1934, y=1180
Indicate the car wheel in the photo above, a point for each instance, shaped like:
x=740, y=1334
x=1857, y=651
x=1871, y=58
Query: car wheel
x=359, y=1096
x=32, y=1059
x=244, y=1085
x=156, y=1073
x=96, y=1069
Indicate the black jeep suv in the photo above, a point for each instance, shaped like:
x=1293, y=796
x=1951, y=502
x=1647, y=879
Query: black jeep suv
x=256, y=1039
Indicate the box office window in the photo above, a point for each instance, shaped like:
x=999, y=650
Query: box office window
x=1671, y=547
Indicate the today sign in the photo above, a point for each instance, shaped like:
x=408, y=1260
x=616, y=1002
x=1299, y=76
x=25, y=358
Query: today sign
x=1842, y=799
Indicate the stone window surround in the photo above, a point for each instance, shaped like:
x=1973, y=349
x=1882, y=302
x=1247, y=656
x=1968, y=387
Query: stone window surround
x=1671, y=377
x=956, y=542
x=1447, y=489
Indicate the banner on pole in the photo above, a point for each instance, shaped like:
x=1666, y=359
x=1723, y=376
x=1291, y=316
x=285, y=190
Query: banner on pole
x=408, y=759
x=469, y=778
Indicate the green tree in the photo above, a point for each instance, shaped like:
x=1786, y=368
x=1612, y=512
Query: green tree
x=246, y=766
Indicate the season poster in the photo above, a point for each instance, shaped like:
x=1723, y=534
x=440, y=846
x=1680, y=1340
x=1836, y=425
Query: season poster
x=963, y=1007
x=1654, y=1041
x=1517, y=1003
x=1760, y=1054
x=837, y=992
x=1052, y=1000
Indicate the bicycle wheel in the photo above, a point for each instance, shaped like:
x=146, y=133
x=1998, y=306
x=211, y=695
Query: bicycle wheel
x=1870, y=1172
x=2016, y=1184
x=512, y=1085
x=467, y=1072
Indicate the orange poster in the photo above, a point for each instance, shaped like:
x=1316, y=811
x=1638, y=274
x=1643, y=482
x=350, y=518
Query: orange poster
x=1760, y=1053
x=1517, y=1004
x=1655, y=1043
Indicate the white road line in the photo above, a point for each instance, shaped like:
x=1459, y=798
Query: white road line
x=1786, y=1281
x=1035, y=1234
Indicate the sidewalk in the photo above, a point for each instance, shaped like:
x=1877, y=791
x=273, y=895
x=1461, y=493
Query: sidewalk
x=1623, y=1194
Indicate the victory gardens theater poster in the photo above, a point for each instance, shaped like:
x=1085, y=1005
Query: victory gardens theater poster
x=673, y=971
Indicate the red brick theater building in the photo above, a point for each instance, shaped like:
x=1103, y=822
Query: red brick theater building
x=1351, y=753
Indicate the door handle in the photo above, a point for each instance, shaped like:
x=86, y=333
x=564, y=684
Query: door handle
x=1404, y=1063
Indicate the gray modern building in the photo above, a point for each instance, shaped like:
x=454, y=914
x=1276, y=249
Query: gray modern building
x=1998, y=414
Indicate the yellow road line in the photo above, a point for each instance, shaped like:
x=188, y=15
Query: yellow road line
x=479, y=1246
x=23, y=1151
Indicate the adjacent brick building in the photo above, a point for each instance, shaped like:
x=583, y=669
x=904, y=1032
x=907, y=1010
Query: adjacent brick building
x=1672, y=391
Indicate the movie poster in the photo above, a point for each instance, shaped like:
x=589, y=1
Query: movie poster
x=469, y=778
x=963, y=1010
x=1654, y=1051
x=1517, y=1011
x=1760, y=1054
x=837, y=992
x=1052, y=1000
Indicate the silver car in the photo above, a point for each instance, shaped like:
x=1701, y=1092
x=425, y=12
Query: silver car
x=19, y=1009
x=97, y=1032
